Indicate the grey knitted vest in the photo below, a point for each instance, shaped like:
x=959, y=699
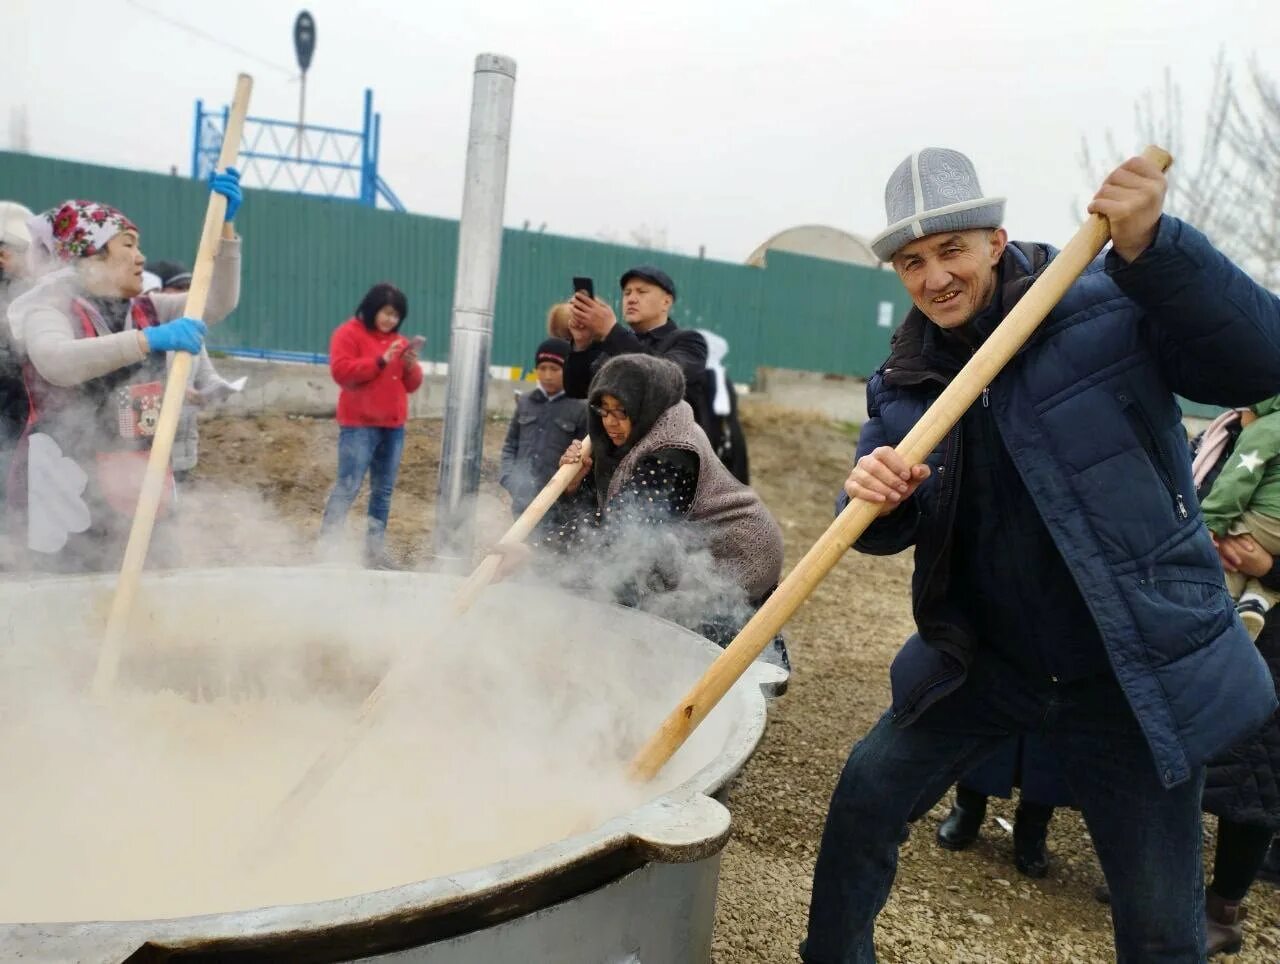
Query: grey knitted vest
x=741, y=533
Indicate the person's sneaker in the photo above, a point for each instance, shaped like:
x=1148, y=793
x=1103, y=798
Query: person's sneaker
x=1253, y=613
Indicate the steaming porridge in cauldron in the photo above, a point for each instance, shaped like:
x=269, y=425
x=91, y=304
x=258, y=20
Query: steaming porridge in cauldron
x=510, y=733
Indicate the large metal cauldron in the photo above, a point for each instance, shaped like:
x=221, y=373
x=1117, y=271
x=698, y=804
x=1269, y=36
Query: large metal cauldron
x=639, y=887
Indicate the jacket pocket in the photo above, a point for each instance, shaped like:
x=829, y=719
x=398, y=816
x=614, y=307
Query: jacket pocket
x=1155, y=452
x=1177, y=609
x=527, y=429
x=919, y=676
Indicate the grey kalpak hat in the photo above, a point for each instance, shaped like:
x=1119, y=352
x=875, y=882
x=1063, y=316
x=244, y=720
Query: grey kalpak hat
x=933, y=190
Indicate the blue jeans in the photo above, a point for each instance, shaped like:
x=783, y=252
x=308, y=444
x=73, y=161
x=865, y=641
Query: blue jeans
x=1147, y=838
x=362, y=450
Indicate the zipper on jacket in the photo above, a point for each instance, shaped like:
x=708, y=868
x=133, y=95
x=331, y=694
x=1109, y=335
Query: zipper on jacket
x=986, y=398
x=1155, y=454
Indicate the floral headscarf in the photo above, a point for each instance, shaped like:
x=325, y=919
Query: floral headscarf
x=61, y=236
x=78, y=229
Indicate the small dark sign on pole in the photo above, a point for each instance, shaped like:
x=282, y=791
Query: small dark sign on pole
x=304, y=45
x=304, y=39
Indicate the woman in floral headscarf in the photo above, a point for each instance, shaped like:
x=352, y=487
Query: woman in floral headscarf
x=95, y=352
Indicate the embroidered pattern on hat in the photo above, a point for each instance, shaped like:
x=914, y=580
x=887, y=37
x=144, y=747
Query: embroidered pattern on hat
x=900, y=190
x=953, y=182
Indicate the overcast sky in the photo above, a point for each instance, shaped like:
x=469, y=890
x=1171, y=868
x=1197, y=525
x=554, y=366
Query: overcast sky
x=719, y=123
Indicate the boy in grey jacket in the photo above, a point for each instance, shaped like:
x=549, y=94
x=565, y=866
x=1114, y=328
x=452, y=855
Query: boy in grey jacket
x=546, y=421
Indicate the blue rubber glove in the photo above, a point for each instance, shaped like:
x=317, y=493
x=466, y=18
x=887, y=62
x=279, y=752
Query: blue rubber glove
x=181, y=334
x=227, y=184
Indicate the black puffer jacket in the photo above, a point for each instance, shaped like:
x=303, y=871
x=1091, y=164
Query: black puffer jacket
x=1243, y=784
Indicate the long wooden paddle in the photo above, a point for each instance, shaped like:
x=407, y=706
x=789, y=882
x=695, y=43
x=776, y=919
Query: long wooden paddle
x=519, y=531
x=923, y=438
x=320, y=772
x=144, y=517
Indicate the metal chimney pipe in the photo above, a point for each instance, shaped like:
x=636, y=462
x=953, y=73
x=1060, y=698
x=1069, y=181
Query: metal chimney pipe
x=475, y=289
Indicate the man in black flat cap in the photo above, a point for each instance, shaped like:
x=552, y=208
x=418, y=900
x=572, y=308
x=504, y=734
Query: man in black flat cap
x=647, y=296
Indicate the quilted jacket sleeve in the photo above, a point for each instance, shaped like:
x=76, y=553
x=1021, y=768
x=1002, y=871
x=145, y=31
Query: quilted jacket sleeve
x=1214, y=329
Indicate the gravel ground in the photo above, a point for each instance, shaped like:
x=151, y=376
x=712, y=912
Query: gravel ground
x=945, y=907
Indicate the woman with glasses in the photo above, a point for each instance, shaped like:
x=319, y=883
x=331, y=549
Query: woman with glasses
x=654, y=519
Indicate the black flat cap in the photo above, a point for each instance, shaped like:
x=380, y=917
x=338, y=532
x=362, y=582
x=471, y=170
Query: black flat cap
x=648, y=272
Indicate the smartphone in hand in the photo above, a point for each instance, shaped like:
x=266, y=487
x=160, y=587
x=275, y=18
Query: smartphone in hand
x=584, y=284
x=416, y=343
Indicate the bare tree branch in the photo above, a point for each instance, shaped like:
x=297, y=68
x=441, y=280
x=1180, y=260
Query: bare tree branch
x=1230, y=186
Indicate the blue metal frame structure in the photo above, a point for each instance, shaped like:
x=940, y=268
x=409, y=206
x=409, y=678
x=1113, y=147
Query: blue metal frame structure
x=319, y=161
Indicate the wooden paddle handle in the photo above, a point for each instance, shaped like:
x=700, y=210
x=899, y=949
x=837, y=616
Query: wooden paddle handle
x=144, y=518
x=923, y=438
x=519, y=531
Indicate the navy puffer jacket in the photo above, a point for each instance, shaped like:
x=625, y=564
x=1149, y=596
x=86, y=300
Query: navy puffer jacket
x=1088, y=415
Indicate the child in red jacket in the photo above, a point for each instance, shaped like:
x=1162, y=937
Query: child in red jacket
x=376, y=368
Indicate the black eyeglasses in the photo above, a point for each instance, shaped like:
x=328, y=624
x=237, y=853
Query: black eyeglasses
x=618, y=414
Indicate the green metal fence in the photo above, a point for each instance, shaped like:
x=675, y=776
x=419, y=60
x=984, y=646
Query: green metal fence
x=308, y=261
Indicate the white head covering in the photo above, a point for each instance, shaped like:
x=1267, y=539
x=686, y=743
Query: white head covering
x=717, y=348
x=61, y=238
x=13, y=224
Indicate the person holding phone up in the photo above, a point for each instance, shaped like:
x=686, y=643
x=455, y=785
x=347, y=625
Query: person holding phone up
x=647, y=296
x=376, y=369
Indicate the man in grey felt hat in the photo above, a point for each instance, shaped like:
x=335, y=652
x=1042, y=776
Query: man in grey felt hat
x=1064, y=582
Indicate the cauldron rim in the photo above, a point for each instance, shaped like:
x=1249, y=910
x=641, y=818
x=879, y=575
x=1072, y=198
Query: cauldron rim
x=478, y=897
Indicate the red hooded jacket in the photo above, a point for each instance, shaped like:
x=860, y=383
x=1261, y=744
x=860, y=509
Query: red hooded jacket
x=373, y=395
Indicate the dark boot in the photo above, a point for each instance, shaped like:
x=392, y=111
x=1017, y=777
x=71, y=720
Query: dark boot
x=960, y=829
x=1224, y=934
x=1030, y=828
